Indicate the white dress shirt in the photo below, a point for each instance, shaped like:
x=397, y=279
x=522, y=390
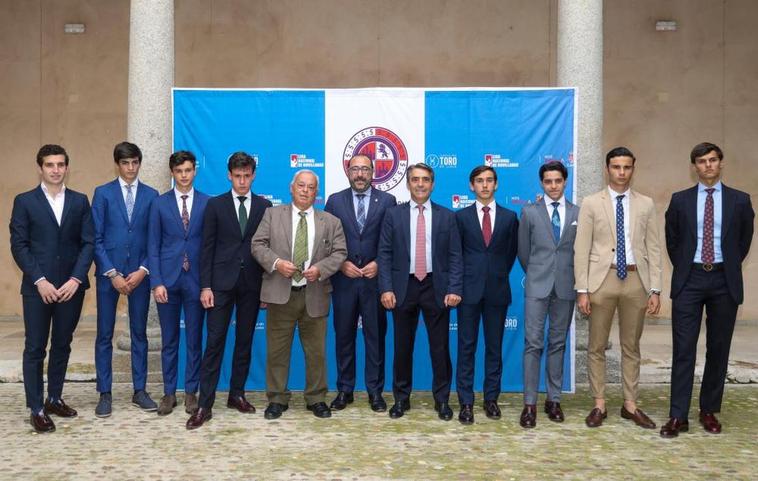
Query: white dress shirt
x=428, y=224
x=627, y=223
x=561, y=209
x=480, y=213
x=248, y=203
x=190, y=195
x=311, y=223
x=56, y=201
x=123, y=184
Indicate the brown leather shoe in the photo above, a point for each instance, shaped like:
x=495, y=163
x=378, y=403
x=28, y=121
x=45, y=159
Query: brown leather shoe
x=639, y=418
x=168, y=403
x=240, y=404
x=199, y=418
x=42, y=423
x=190, y=403
x=710, y=423
x=59, y=408
x=595, y=418
x=673, y=427
x=554, y=411
x=528, y=417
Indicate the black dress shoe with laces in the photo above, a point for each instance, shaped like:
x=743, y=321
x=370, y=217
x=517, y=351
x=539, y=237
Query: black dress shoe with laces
x=466, y=416
x=444, y=411
x=377, y=403
x=320, y=410
x=491, y=409
x=342, y=400
x=398, y=409
x=274, y=410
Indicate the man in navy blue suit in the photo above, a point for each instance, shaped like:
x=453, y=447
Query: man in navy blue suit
x=420, y=270
x=489, y=238
x=174, y=238
x=120, y=212
x=361, y=209
x=52, y=243
x=709, y=229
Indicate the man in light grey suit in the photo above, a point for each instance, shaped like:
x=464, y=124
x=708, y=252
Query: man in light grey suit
x=299, y=248
x=546, y=252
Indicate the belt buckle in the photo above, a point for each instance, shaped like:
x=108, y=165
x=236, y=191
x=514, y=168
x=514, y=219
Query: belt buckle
x=707, y=267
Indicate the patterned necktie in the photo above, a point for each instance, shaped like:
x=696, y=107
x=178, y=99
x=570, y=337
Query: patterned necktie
x=300, y=255
x=708, y=254
x=242, y=213
x=486, y=225
x=185, y=222
x=620, y=240
x=361, y=217
x=419, y=268
x=129, y=202
x=556, y=221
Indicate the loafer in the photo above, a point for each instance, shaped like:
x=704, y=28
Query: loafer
x=466, y=416
x=320, y=410
x=710, y=423
x=274, y=410
x=240, y=404
x=444, y=411
x=342, y=400
x=168, y=403
x=59, y=408
x=639, y=418
x=377, y=403
x=554, y=411
x=673, y=427
x=41, y=422
x=595, y=418
x=103, y=408
x=190, y=403
x=399, y=408
x=201, y=416
x=142, y=400
x=491, y=409
x=528, y=418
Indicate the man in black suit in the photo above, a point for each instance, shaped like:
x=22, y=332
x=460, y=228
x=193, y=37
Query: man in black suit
x=52, y=242
x=709, y=228
x=418, y=274
x=229, y=277
x=489, y=238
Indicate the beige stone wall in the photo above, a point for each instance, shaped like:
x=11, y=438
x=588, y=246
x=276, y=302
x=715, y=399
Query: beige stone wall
x=664, y=92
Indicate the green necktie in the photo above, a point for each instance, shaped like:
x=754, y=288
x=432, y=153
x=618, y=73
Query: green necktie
x=301, y=247
x=242, y=213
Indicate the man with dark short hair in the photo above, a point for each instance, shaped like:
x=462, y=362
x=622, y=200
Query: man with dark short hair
x=52, y=242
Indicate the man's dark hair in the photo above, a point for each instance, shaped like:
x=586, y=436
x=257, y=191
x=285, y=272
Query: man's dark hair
x=50, y=149
x=180, y=157
x=618, y=152
x=240, y=160
x=126, y=150
x=419, y=165
x=703, y=149
x=553, y=165
x=478, y=170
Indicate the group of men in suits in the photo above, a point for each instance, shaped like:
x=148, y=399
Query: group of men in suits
x=370, y=255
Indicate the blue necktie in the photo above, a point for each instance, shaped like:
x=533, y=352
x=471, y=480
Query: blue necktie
x=556, y=221
x=361, y=217
x=620, y=241
x=129, y=202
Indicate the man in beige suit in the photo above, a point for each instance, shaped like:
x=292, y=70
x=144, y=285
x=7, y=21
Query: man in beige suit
x=617, y=266
x=299, y=248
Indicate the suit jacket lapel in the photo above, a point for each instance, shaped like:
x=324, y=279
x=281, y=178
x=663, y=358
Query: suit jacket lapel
x=351, y=209
x=120, y=199
x=285, y=223
x=46, y=205
x=319, y=226
x=690, y=209
x=547, y=220
x=176, y=212
x=233, y=214
x=606, y=201
x=66, y=206
x=571, y=217
x=139, y=200
x=372, y=205
x=405, y=222
x=727, y=210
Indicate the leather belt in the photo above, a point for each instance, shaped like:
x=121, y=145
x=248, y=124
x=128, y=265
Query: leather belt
x=708, y=267
x=297, y=288
x=629, y=267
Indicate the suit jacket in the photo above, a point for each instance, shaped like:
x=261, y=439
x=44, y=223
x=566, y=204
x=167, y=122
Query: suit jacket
x=273, y=240
x=225, y=249
x=119, y=243
x=395, y=253
x=361, y=246
x=42, y=248
x=736, y=235
x=547, y=265
x=167, y=241
x=486, y=268
x=595, y=245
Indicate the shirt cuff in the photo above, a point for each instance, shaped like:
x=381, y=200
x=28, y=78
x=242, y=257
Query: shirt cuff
x=108, y=273
x=43, y=278
x=77, y=280
x=582, y=291
x=273, y=268
x=145, y=269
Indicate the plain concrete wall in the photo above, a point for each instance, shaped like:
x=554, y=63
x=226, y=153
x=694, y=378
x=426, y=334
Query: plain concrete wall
x=664, y=92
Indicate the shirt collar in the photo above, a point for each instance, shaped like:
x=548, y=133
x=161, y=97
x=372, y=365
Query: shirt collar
x=188, y=194
x=427, y=205
x=124, y=184
x=479, y=205
x=235, y=195
x=296, y=209
x=47, y=192
x=367, y=192
x=701, y=187
x=549, y=201
x=615, y=194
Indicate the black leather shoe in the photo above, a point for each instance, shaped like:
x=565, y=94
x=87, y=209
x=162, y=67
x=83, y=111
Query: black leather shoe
x=398, y=409
x=274, y=410
x=342, y=400
x=59, y=408
x=42, y=423
x=528, y=417
x=444, y=411
x=320, y=410
x=377, y=403
x=466, y=416
x=554, y=411
x=491, y=409
x=240, y=404
x=201, y=416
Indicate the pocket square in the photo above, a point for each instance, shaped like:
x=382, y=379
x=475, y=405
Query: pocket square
x=573, y=223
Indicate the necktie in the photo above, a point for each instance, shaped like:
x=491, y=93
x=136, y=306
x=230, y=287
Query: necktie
x=556, y=221
x=708, y=254
x=620, y=240
x=419, y=268
x=129, y=202
x=185, y=222
x=361, y=217
x=486, y=225
x=300, y=255
x=242, y=213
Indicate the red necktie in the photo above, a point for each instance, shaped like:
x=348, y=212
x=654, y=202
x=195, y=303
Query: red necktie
x=419, y=268
x=185, y=222
x=486, y=226
x=708, y=255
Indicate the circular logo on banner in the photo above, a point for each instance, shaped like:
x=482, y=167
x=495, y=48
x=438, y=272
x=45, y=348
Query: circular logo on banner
x=385, y=149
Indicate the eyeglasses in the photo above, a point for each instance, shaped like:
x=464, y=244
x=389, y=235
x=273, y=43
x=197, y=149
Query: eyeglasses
x=362, y=169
